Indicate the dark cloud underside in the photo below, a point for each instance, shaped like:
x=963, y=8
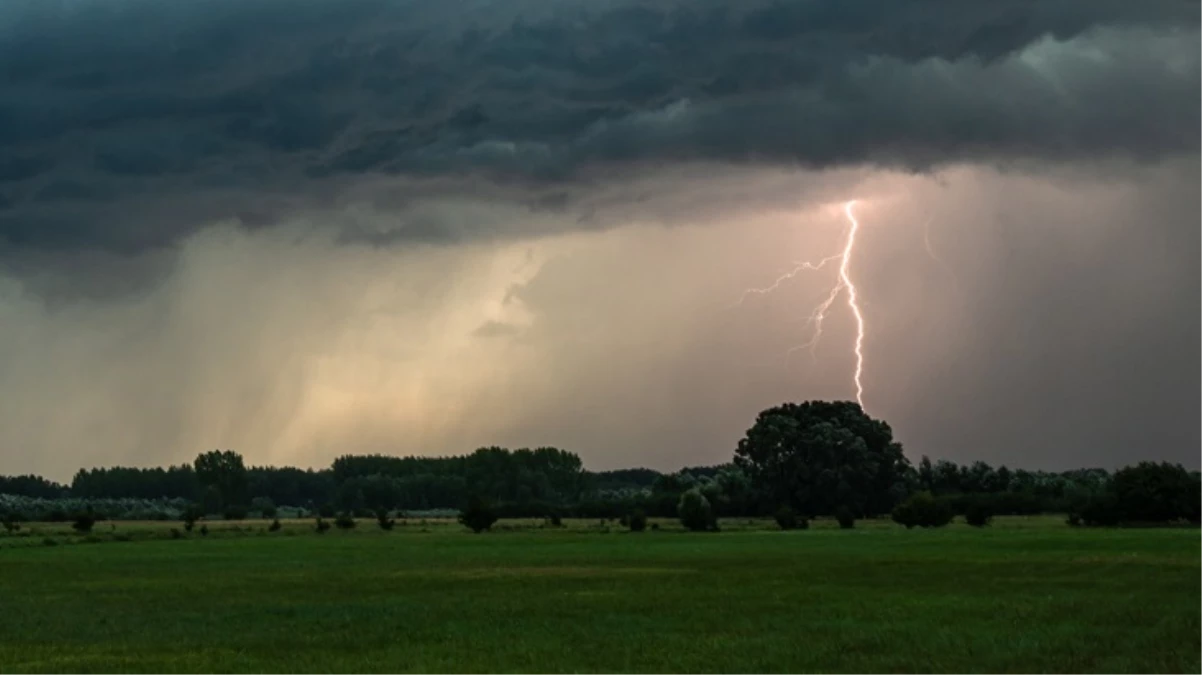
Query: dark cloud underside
x=112, y=112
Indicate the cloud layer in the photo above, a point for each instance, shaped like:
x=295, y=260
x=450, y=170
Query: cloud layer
x=113, y=114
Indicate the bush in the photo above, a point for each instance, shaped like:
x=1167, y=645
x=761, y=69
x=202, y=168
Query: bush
x=191, y=514
x=345, y=521
x=654, y=527
x=383, y=520
x=264, y=506
x=846, y=517
x=477, y=515
x=695, y=512
x=84, y=521
x=1152, y=492
x=922, y=510
x=235, y=513
x=637, y=520
x=274, y=526
x=554, y=520
x=786, y=518
x=204, y=530
x=176, y=534
x=1099, y=510
x=978, y=513
x=10, y=523
x=321, y=526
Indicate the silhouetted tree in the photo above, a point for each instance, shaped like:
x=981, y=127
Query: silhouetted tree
x=818, y=455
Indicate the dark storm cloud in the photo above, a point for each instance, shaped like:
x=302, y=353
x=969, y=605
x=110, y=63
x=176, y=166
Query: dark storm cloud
x=113, y=112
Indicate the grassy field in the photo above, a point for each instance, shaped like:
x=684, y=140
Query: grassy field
x=1027, y=594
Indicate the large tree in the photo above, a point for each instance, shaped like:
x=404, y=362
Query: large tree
x=226, y=473
x=820, y=455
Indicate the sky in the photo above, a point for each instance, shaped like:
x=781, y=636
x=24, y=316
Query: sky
x=306, y=228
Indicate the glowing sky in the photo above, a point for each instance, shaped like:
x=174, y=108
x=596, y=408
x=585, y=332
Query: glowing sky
x=310, y=228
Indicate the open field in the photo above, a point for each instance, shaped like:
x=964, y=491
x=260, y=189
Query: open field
x=1027, y=594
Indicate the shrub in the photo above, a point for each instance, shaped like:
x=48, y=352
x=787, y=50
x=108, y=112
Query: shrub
x=637, y=520
x=624, y=521
x=1074, y=520
x=274, y=526
x=47, y=541
x=1100, y=510
x=84, y=521
x=922, y=510
x=204, y=530
x=191, y=514
x=695, y=512
x=846, y=517
x=321, y=526
x=10, y=523
x=1152, y=492
x=477, y=515
x=978, y=513
x=383, y=520
x=264, y=506
x=654, y=527
x=786, y=518
x=554, y=520
x=345, y=521
x=235, y=513
x=176, y=534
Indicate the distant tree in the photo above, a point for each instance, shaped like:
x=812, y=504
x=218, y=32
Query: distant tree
x=226, y=472
x=478, y=515
x=922, y=510
x=235, y=512
x=191, y=514
x=695, y=511
x=84, y=521
x=383, y=520
x=786, y=518
x=345, y=521
x=264, y=506
x=846, y=517
x=817, y=455
x=978, y=512
x=637, y=520
x=1152, y=492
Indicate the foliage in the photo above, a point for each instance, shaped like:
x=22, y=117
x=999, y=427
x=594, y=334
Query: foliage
x=922, y=510
x=235, y=513
x=274, y=526
x=846, y=517
x=817, y=455
x=978, y=513
x=383, y=520
x=264, y=506
x=478, y=515
x=84, y=521
x=786, y=518
x=695, y=511
x=10, y=522
x=321, y=526
x=637, y=520
x=1152, y=492
x=226, y=473
x=204, y=530
x=345, y=521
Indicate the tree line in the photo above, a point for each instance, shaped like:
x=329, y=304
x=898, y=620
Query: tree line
x=814, y=458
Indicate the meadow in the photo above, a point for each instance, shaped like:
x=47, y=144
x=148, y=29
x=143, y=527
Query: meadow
x=1025, y=594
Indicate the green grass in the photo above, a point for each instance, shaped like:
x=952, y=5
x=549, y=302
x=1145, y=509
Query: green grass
x=1028, y=594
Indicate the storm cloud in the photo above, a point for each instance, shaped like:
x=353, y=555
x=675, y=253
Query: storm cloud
x=115, y=113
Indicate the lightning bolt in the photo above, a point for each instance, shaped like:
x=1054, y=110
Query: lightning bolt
x=844, y=285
